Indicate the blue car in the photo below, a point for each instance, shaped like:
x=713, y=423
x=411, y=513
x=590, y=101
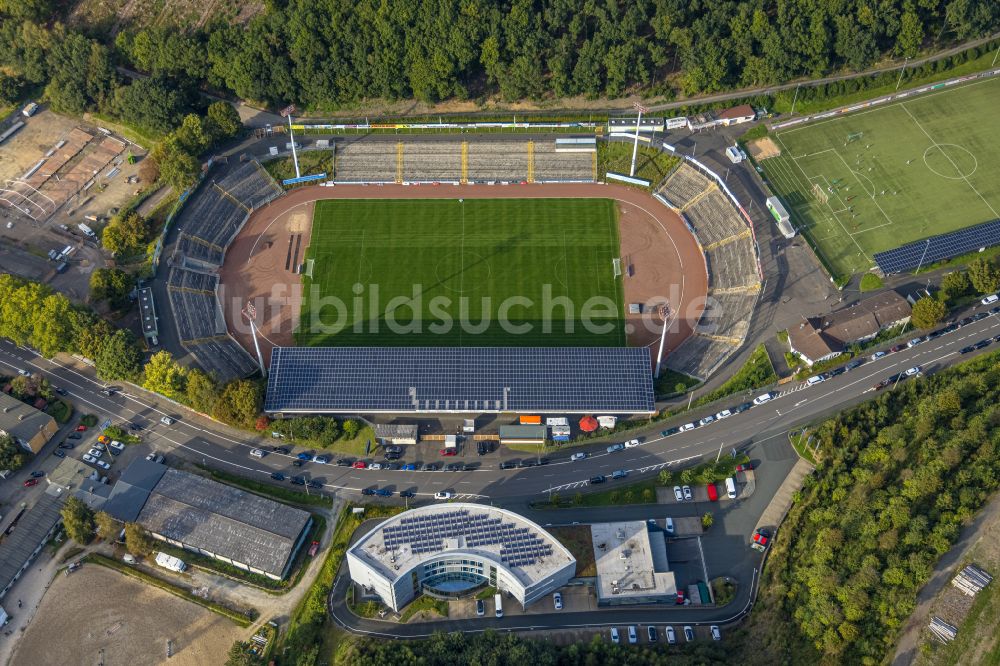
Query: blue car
x=409, y=467
x=383, y=492
x=304, y=456
x=322, y=460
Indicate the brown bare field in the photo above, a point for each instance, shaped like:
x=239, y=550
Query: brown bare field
x=98, y=616
x=763, y=148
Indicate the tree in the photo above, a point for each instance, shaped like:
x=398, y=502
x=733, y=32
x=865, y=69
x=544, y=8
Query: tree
x=178, y=168
x=984, y=276
x=107, y=526
x=192, y=135
x=927, y=312
x=239, y=403
x=666, y=477
x=163, y=375
x=149, y=171
x=112, y=285
x=119, y=357
x=126, y=234
x=12, y=456
x=239, y=655
x=78, y=520
x=137, y=540
x=223, y=121
x=955, y=284
x=201, y=392
x=155, y=104
x=351, y=428
x=707, y=520
x=11, y=88
x=262, y=423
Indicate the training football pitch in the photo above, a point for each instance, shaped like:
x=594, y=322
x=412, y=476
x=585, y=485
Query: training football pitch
x=470, y=273
x=877, y=179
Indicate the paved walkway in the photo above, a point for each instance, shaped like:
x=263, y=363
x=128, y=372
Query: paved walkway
x=779, y=505
x=944, y=570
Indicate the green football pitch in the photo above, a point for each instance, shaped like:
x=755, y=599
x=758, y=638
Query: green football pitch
x=877, y=179
x=471, y=273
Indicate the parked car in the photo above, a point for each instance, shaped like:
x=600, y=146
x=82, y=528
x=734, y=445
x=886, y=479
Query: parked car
x=979, y=316
x=716, y=634
x=375, y=466
x=688, y=633
x=298, y=480
x=915, y=370
x=724, y=414
x=87, y=458
x=456, y=467
x=763, y=397
x=305, y=456
x=739, y=409
x=431, y=467
x=508, y=464
x=914, y=342
x=155, y=457
x=651, y=633
x=383, y=492
x=838, y=371
x=616, y=447
x=896, y=348
x=257, y=453
x=983, y=343
x=359, y=464
x=991, y=299
x=633, y=638
x=745, y=467
x=600, y=478
x=877, y=355
x=965, y=322
x=166, y=420
x=687, y=492
x=116, y=445
x=408, y=467
x=688, y=426
x=669, y=431
x=443, y=495
x=815, y=379
x=59, y=454
x=407, y=493
x=277, y=476
x=557, y=601
x=615, y=637
x=579, y=455
x=669, y=525
x=881, y=385
x=480, y=604
x=619, y=474
x=75, y=435
x=283, y=450
x=367, y=491
x=322, y=460
x=708, y=419
x=678, y=494
x=344, y=462
x=632, y=443
x=448, y=452
x=671, y=636
x=966, y=350
x=81, y=428
x=102, y=464
x=95, y=453
x=856, y=363
x=30, y=482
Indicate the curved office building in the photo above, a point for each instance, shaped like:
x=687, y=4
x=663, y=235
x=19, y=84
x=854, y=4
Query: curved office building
x=449, y=549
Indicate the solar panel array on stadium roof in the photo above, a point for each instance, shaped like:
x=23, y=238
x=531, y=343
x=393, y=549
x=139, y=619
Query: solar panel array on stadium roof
x=460, y=379
x=938, y=248
x=519, y=546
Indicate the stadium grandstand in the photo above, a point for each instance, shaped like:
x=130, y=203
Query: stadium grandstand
x=211, y=218
x=733, y=269
x=480, y=161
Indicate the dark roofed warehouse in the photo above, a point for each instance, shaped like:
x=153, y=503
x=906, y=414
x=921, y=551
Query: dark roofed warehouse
x=459, y=379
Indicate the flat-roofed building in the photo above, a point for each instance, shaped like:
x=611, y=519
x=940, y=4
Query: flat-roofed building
x=632, y=566
x=452, y=549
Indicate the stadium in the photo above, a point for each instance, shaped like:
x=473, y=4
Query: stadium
x=471, y=276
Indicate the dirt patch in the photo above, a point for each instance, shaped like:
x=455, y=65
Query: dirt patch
x=763, y=148
x=665, y=261
x=125, y=623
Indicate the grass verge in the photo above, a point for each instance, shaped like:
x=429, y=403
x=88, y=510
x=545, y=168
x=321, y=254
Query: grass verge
x=424, y=603
x=650, y=164
x=724, y=591
x=280, y=493
x=579, y=542
x=643, y=492
x=671, y=383
x=799, y=443
x=241, y=619
x=756, y=372
x=310, y=162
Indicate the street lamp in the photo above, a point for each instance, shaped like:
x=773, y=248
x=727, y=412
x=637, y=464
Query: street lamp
x=635, y=146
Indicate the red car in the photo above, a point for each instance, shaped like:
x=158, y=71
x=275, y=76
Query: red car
x=448, y=452
x=897, y=348
x=680, y=597
x=745, y=467
x=314, y=548
x=30, y=482
x=713, y=494
x=81, y=428
x=360, y=464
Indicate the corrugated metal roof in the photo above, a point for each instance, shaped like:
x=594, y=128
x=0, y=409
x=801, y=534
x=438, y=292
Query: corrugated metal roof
x=26, y=537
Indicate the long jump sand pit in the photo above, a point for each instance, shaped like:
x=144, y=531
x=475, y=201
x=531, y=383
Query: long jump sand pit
x=99, y=616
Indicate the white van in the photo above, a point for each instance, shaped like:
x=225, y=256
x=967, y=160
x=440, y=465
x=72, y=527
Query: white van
x=731, y=488
x=170, y=562
x=815, y=379
x=498, y=602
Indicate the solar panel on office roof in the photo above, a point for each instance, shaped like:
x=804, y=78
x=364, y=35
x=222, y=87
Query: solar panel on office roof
x=938, y=248
x=470, y=379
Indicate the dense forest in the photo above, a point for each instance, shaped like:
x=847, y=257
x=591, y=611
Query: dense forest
x=329, y=53
x=899, y=477
x=493, y=649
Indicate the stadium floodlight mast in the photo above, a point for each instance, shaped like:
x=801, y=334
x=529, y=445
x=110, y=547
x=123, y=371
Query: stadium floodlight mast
x=665, y=316
x=287, y=112
x=250, y=312
x=635, y=146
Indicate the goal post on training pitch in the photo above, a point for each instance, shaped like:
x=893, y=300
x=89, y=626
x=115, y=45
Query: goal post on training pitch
x=616, y=266
x=854, y=136
x=307, y=268
x=821, y=196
